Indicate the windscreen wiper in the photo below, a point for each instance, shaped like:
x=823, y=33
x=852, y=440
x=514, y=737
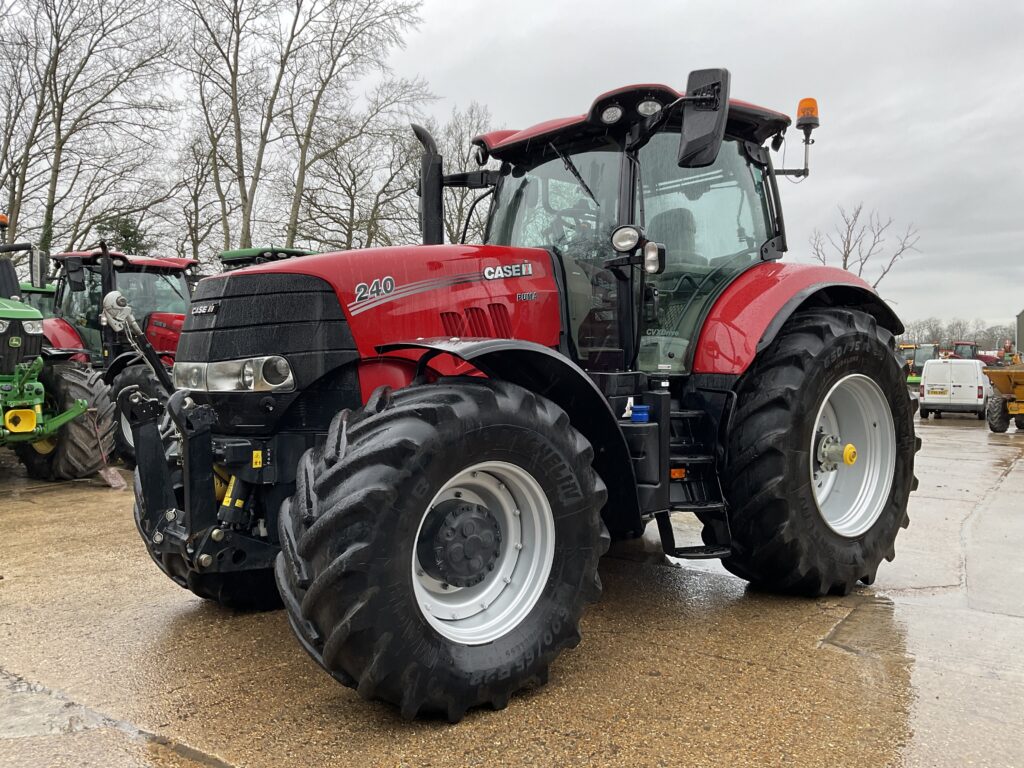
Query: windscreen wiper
x=571, y=168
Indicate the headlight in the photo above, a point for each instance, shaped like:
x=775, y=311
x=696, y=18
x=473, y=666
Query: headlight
x=4, y=325
x=190, y=376
x=248, y=377
x=32, y=327
x=253, y=374
x=625, y=238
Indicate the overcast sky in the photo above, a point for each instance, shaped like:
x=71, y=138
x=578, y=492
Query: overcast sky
x=922, y=108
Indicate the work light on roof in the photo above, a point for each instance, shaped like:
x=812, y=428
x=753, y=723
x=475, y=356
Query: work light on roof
x=648, y=107
x=611, y=114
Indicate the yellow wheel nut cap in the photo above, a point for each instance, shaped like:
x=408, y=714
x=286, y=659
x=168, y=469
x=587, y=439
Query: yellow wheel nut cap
x=850, y=454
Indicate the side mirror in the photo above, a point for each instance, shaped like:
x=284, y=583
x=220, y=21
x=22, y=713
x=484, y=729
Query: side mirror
x=76, y=273
x=38, y=267
x=705, y=112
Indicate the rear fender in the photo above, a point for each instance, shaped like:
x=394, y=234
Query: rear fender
x=749, y=314
x=551, y=375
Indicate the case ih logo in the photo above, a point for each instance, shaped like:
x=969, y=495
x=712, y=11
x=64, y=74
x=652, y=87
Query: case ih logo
x=205, y=309
x=508, y=270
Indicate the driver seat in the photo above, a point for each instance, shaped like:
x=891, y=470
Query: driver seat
x=676, y=229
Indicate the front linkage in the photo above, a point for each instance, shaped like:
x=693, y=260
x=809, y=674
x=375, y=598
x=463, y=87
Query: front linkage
x=23, y=407
x=196, y=509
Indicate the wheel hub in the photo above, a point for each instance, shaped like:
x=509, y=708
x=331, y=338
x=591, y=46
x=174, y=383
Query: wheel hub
x=831, y=453
x=460, y=543
x=853, y=455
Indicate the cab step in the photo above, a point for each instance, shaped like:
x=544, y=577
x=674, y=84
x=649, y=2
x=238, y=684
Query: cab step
x=686, y=414
x=701, y=552
x=691, y=458
x=707, y=507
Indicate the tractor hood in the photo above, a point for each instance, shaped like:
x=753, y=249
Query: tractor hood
x=11, y=309
x=319, y=306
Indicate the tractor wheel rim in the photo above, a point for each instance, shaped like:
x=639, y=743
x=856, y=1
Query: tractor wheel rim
x=495, y=606
x=126, y=431
x=851, y=498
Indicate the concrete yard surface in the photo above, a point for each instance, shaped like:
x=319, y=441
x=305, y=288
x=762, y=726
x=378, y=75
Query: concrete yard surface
x=105, y=662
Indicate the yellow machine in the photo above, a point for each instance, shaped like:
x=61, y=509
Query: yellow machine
x=1008, y=398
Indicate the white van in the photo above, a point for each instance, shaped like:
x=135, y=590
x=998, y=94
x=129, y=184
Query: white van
x=954, y=386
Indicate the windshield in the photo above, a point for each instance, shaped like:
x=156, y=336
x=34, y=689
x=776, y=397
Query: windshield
x=712, y=222
x=927, y=352
x=963, y=350
x=40, y=300
x=154, y=292
x=547, y=206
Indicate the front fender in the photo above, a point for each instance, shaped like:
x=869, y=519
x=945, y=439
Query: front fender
x=751, y=311
x=552, y=375
x=119, y=363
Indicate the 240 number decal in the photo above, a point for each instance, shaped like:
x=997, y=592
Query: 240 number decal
x=382, y=286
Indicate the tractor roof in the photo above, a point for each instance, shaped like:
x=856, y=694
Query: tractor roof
x=29, y=288
x=271, y=251
x=163, y=262
x=746, y=121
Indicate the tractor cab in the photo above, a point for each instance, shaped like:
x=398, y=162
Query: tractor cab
x=156, y=287
x=706, y=200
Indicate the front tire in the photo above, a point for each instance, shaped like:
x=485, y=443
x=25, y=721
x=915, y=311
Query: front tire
x=997, y=414
x=142, y=377
x=382, y=585
x=803, y=522
x=84, y=445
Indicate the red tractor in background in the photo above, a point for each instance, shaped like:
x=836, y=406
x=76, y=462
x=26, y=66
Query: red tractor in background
x=159, y=294
x=968, y=350
x=431, y=446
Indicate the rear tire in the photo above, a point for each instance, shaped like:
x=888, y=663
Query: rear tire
x=925, y=413
x=84, y=445
x=350, y=570
x=1018, y=422
x=997, y=414
x=833, y=363
x=134, y=375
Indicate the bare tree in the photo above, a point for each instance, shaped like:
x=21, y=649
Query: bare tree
x=363, y=194
x=454, y=143
x=859, y=244
x=352, y=39
x=272, y=76
x=106, y=62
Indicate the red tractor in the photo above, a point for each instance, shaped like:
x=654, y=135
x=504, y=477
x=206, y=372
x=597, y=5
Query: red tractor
x=159, y=293
x=432, y=446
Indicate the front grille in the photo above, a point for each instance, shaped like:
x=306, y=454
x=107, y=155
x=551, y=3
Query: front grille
x=297, y=316
x=30, y=348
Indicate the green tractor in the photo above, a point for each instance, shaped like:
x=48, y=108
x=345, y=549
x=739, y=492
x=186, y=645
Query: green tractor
x=57, y=415
x=246, y=257
x=39, y=297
